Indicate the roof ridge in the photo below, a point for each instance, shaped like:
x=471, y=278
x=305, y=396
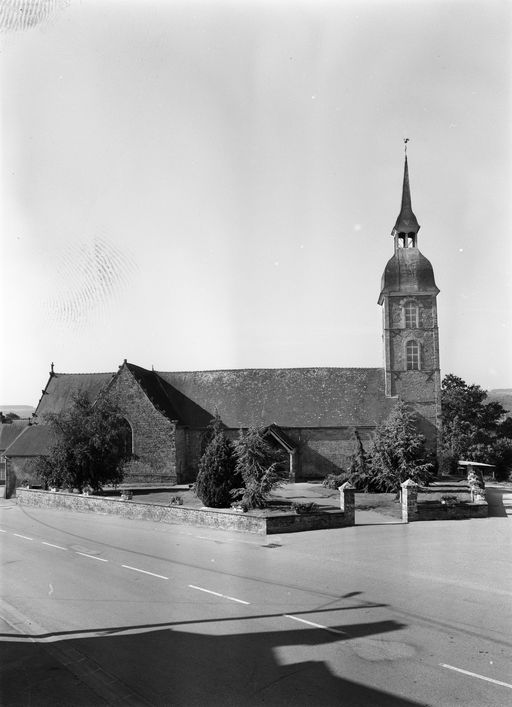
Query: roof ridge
x=279, y=368
x=82, y=373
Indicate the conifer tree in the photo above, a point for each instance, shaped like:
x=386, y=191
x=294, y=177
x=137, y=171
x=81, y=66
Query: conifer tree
x=358, y=471
x=260, y=467
x=217, y=475
x=398, y=452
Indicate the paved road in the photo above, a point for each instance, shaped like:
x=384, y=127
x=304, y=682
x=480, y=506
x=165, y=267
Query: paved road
x=97, y=610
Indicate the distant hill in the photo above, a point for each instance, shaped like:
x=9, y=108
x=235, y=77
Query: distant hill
x=501, y=395
x=20, y=410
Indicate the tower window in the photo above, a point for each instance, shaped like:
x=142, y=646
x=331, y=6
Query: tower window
x=412, y=356
x=411, y=315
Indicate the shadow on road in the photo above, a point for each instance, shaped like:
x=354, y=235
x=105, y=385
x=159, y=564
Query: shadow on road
x=164, y=665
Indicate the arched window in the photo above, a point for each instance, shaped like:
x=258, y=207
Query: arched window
x=411, y=315
x=125, y=440
x=412, y=356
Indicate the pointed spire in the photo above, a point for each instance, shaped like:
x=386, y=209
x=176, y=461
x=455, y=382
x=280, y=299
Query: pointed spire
x=406, y=221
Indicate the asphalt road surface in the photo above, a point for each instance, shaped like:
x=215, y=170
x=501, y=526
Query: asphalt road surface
x=97, y=610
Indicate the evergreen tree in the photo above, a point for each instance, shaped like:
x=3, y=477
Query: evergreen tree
x=359, y=471
x=260, y=467
x=398, y=452
x=217, y=475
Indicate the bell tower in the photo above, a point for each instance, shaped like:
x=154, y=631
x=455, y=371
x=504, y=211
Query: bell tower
x=410, y=334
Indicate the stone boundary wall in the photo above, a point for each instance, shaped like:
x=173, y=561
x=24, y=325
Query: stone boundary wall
x=414, y=510
x=254, y=522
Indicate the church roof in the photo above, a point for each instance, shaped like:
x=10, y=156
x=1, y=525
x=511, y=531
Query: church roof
x=406, y=221
x=35, y=440
x=10, y=430
x=61, y=388
x=288, y=397
x=408, y=272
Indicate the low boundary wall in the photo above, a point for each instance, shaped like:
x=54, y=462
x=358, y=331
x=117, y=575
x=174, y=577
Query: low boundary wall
x=250, y=522
x=413, y=510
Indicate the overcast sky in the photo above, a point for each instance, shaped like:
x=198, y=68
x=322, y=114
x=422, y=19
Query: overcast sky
x=209, y=185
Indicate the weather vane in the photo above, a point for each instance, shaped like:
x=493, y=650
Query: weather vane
x=406, y=140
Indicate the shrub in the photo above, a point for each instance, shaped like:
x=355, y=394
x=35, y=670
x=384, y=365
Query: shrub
x=217, y=474
x=334, y=481
x=304, y=507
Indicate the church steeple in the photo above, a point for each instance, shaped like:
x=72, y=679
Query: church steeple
x=406, y=227
x=410, y=334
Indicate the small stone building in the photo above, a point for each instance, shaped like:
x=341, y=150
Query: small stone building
x=310, y=413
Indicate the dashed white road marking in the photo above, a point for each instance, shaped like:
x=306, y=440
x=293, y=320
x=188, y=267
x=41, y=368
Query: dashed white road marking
x=217, y=594
x=136, y=569
x=93, y=557
x=59, y=547
x=2, y=531
x=312, y=623
x=476, y=675
x=22, y=536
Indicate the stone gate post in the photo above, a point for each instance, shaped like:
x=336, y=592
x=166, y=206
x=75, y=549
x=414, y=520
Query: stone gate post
x=409, y=501
x=347, y=501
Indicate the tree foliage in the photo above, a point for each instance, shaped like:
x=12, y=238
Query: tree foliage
x=260, y=467
x=359, y=470
x=398, y=453
x=474, y=429
x=90, y=445
x=217, y=475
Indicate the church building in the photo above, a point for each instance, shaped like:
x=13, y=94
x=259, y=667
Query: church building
x=310, y=413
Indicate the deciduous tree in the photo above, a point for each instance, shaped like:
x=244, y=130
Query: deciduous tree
x=90, y=445
x=474, y=429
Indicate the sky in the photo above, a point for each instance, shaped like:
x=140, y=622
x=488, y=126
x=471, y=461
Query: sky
x=212, y=185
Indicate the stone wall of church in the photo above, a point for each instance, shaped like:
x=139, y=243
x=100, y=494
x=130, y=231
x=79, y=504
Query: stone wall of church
x=426, y=333
x=325, y=450
x=153, y=434
x=420, y=389
x=320, y=451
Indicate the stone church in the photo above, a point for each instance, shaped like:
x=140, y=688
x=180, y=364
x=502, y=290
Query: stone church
x=310, y=413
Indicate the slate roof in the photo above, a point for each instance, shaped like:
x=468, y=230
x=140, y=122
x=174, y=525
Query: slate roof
x=61, y=387
x=33, y=441
x=157, y=390
x=408, y=272
x=10, y=430
x=288, y=397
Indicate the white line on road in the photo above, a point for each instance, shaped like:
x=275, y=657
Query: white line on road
x=3, y=531
x=136, y=569
x=22, y=536
x=311, y=623
x=52, y=545
x=93, y=557
x=476, y=675
x=217, y=594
